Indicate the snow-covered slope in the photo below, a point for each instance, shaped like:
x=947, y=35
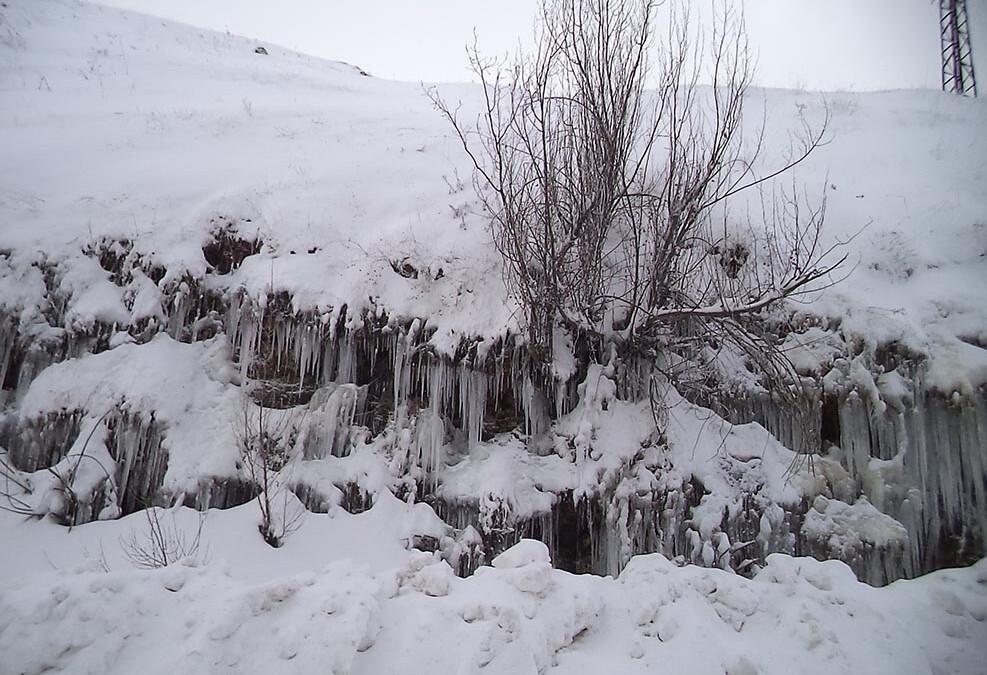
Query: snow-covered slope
x=181, y=215
x=121, y=126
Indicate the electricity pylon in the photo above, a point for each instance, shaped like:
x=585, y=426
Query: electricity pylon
x=957, y=54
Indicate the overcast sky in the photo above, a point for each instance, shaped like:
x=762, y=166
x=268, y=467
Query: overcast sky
x=815, y=44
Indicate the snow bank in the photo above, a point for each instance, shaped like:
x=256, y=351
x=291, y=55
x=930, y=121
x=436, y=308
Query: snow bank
x=846, y=528
x=523, y=618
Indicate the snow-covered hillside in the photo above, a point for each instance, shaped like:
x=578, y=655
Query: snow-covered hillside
x=119, y=126
x=124, y=127
x=193, y=233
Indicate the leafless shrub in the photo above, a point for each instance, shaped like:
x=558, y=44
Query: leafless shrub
x=162, y=543
x=17, y=488
x=65, y=474
x=97, y=559
x=265, y=441
x=14, y=490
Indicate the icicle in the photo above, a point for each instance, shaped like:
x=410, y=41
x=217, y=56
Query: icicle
x=535, y=418
x=401, y=371
x=472, y=403
x=560, y=398
x=8, y=342
x=328, y=427
x=722, y=551
x=855, y=434
x=44, y=441
x=304, y=341
x=126, y=451
x=137, y=444
x=618, y=546
x=179, y=311
x=346, y=372
x=242, y=326
x=429, y=441
x=437, y=386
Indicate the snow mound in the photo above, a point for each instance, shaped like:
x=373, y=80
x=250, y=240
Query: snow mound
x=849, y=527
x=345, y=619
x=188, y=388
x=525, y=552
x=194, y=620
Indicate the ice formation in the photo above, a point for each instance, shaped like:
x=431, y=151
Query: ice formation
x=470, y=434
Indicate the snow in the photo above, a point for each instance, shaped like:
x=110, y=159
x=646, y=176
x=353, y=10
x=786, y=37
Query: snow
x=845, y=527
x=343, y=173
x=156, y=115
x=251, y=609
x=525, y=552
x=186, y=387
x=136, y=138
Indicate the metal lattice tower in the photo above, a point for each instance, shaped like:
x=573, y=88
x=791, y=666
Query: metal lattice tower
x=957, y=55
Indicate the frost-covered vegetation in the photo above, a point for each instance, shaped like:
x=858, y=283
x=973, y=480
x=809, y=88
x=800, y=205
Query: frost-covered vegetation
x=224, y=273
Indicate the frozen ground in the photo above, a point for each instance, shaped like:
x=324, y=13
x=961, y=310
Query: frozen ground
x=118, y=126
x=344, y=596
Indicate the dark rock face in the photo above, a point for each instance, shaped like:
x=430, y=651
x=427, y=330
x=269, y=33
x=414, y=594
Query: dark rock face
x=227, y=249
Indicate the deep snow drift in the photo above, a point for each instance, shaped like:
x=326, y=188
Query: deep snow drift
x=183, y=219
x=344, y=596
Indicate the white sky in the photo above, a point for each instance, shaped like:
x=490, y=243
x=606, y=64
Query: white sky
x=816, y=44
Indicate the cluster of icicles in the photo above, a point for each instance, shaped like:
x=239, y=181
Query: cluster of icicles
x=920, y=460
x=915, y=453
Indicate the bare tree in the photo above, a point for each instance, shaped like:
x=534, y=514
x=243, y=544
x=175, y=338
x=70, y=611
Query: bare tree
x=608, y=200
